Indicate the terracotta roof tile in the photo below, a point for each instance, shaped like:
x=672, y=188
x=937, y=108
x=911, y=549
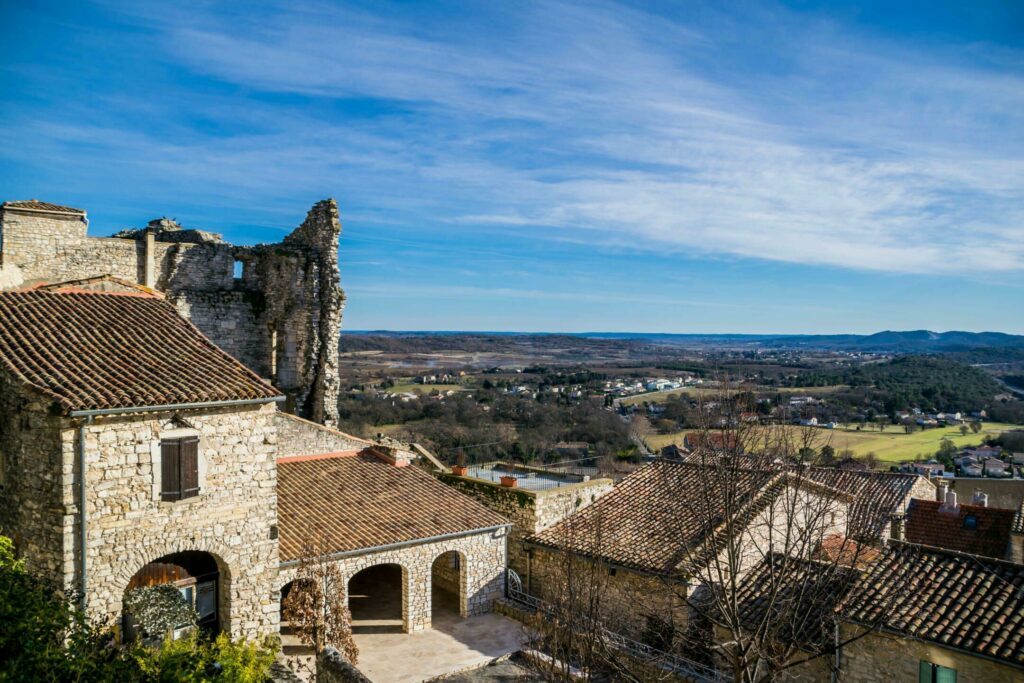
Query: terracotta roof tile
x=878, y=495
x=360, y=501
x=36, y=205
x=103, y=350
x=954, y=599
x=928, y=525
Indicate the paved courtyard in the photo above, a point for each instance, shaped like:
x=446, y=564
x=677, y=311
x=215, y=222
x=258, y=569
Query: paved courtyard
x=386, y=655
x=452, y=644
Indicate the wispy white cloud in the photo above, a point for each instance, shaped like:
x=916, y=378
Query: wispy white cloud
x=609, y=124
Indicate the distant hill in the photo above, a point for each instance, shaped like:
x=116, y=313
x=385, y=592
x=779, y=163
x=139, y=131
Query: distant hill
x=914, y=341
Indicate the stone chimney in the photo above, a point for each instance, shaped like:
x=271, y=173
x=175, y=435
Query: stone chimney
x=980, y=499
x=394, y=452
x=950, y=504
x=897, y=526
x=940, y=491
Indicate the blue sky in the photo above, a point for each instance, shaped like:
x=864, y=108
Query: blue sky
x=556, y=166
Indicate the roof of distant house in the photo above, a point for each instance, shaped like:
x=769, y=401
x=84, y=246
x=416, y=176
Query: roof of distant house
x=843, y=551
x=877, y=495
x=94, y=350
x=36, y=205
x=359, y=500
x=954, y=599
x=929, y=524
x=655, y=518
x=666, y=514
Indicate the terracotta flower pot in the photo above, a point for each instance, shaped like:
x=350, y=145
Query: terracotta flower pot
x=459, y=470
x=508, y=481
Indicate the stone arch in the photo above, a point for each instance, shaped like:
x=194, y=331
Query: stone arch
x=449, y=573
x=381, y=599
x=134, y=562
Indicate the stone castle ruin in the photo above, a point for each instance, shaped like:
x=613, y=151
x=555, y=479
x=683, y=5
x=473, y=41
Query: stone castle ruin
x=275, y=307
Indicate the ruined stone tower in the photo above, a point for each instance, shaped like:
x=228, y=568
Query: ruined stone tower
x=275, y=307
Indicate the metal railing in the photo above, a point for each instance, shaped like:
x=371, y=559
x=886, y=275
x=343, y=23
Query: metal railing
x=687, y=668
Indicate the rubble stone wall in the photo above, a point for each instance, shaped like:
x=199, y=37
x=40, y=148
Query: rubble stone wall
x=482, y=574
x=302, y=437
x=32, y=510
x=282, y=317
x=130, y=526
x=881, y=656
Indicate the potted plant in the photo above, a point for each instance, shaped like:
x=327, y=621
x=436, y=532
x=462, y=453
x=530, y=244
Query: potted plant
x=459, y=469
x=508, y=480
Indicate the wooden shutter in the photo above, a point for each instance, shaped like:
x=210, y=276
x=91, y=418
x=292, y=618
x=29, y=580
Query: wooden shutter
x=189, y=466
x=170, y=469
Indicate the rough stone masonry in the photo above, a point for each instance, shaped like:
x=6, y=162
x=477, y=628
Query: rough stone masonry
x=275, y=307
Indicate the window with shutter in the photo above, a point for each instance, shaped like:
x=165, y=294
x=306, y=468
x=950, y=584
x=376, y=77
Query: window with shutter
x=179, y=468
x=189, y=466
x=170, y=469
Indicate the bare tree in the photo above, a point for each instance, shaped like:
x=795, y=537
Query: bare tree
x=317, y=606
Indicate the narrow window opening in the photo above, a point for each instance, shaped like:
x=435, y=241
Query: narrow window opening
x=239, y=269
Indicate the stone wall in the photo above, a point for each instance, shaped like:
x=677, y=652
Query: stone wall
x=232, y=318
x=129, y=526
x=881, y=656
x=332, y=667
x=302, y=437
x=625, y=599
x=529, y=512
x=282, y=317
x=32, y=510
x=482, y=573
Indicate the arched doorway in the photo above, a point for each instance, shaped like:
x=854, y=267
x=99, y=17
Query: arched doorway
x=198, y=578
x=376, y=598
x=448, y=586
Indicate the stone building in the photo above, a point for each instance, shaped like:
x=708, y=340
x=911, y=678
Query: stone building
x=654, y=534
x=275, y=307
x=133, y=452
x=400, y=538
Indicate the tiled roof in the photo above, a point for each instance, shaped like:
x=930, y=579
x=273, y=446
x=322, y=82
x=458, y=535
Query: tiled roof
x=36, y=205
x=360, y=501
x=794, y=599
x=116, y=350
x=878, y=495
x=1018, y=521
x=654, y=516
x=990, y=535
x=954, y=599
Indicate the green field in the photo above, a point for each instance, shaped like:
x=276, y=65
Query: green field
x=891, y=446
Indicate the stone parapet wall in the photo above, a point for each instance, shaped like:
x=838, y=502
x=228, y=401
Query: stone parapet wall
x=129, y=526
x=529, y=511
x=297, y=436
x=482, y=573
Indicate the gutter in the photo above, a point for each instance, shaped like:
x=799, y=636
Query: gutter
x=176, y=406
x=83, y=519
x=89, y=415
x=402, y=544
